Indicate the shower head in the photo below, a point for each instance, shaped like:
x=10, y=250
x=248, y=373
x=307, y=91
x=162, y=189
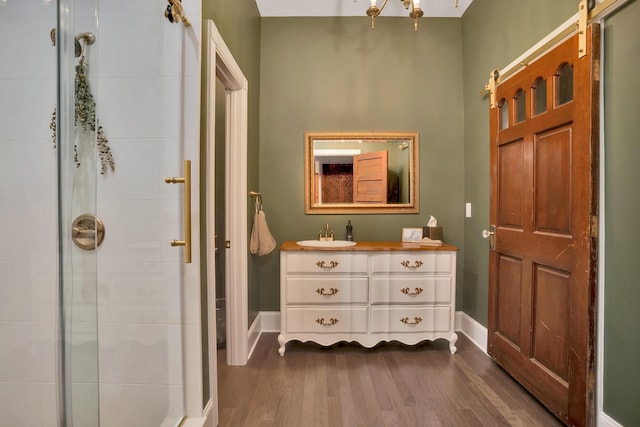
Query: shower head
x=88, y=38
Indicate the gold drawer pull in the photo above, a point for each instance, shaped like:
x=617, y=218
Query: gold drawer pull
x=407, y=264
x=332, y=291
x=332, y=321
x=406, y=291
x=332, y=264
x=416, y=320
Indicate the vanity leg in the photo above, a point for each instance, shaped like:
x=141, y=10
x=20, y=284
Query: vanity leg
x=281, y=341
x=452, y=343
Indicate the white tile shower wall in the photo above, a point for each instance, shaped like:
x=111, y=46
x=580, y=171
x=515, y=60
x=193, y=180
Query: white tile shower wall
x=28, y=291
x=27, y=209
x=18, y=400
x=19, y=156
x=145, y=69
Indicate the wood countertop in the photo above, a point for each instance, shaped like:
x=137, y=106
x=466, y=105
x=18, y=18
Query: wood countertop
x=369, y=246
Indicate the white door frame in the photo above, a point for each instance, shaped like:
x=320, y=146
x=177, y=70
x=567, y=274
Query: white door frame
x=221, y=64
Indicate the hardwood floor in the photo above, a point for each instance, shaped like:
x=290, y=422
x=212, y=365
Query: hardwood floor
x=389, y=385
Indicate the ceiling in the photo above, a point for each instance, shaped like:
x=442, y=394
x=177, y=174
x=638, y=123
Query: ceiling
x=432, y=8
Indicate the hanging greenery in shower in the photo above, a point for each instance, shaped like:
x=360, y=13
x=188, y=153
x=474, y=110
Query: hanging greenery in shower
x=85, y=119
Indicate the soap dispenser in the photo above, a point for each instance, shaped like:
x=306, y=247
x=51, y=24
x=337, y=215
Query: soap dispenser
x=349, y=231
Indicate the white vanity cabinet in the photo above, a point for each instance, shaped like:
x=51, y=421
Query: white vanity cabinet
x=368, y=293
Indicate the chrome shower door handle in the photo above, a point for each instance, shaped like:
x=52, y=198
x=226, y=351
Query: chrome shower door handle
x=186, y=210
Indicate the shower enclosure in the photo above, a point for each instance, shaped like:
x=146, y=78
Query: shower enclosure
x=94, y=114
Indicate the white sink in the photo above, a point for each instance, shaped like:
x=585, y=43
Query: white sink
x=326, y=243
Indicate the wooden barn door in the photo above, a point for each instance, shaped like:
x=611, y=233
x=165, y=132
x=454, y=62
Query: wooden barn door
x=544, y=193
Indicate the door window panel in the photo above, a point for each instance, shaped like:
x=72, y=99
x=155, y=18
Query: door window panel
x=564, y=84
x=521, y=106
x=503, y=110
x=539, y=96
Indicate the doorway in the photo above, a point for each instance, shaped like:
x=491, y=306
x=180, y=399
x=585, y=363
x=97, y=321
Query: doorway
x=223, y=73
x=220, y=215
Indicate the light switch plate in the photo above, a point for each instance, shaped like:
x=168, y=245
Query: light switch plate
x=467, y=207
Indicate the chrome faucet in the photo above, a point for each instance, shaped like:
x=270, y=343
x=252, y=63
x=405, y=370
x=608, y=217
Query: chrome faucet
x=325, y=234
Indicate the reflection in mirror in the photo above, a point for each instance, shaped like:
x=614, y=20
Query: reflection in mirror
x=361, y=172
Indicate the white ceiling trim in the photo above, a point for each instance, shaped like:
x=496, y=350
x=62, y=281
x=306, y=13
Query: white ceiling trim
x=431, y=8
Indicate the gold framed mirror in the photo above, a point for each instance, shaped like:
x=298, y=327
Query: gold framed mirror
x=361, y=172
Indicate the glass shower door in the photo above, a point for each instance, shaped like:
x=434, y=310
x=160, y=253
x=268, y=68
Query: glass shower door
x=47, y=355
x=76, y=131
x=89, y=336
x=139, y=90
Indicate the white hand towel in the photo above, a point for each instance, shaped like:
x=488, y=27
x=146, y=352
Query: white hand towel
x=430, y=242
x=262, y=242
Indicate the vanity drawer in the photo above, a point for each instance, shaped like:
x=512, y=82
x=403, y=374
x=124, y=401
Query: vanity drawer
x=329, y=320
x=411, y=289
x=410, y=319
x=413, y=262
x=327, y=262
x=331, y=290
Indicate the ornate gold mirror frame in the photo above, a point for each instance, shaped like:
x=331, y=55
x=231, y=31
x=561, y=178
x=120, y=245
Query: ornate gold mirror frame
x=361, y=172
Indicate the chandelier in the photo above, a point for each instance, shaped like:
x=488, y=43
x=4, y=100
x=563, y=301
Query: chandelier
x=415, y=13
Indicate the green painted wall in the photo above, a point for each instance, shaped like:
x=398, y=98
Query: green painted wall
x=493, y=35
x=622, y=204
x=336, y=74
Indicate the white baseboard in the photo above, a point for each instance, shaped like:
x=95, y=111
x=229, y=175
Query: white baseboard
x=270, y=321
x=265, y=321
x=472, y=329
x=605, y=420
x=195, y=422
x=255, y=330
